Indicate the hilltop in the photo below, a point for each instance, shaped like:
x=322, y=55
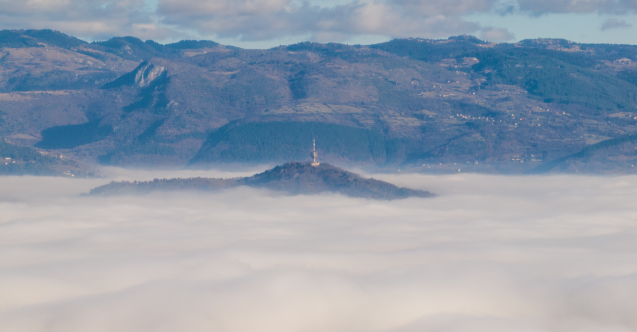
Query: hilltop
x=293, y=178
x=417, y=104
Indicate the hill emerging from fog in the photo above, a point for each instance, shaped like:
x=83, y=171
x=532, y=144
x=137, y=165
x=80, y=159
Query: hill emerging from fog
x=292, y=178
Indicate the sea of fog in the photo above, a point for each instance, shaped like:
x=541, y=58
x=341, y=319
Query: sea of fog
x=490, y=253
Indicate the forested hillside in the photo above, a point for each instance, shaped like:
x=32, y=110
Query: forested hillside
x=22, y=160
x=293, y=178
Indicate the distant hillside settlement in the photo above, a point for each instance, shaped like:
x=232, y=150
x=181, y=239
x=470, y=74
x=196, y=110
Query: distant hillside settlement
x=422, y=105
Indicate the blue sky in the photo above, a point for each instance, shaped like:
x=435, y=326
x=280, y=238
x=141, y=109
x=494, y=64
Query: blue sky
x=269, y=23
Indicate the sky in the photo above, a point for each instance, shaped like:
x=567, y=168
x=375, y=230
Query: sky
x=489, y=253
x=269, y=23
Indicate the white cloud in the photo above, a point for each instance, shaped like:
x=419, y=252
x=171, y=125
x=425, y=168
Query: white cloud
x=85, y=19
x=489, y=254
x=268, y=19
x=446, y=7
x=496, y=34
x=271, y=20
x=275, y=19
x=577, y=6
x=613, y=23
x=223, y=7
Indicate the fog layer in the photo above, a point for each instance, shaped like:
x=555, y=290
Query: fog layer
x=491, y=253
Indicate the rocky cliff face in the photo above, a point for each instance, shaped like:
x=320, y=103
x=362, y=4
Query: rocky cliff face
x=146, y=74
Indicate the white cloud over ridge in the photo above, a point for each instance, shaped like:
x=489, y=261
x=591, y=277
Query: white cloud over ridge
x=258, y=20
x=270, y=20
x=245, y=19
x=496, y=34
x=94, y=19
x=491, y=253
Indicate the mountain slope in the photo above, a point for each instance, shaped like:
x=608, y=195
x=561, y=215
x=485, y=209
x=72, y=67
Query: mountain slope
x=433, y=105
x=302, y=178
x=21, y=160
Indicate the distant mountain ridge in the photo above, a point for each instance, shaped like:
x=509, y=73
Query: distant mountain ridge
x=36, y=38
x=294, y=178
x=458, y=104
x=46, y=37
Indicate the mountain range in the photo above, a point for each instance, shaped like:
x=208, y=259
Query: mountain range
x=458, y=104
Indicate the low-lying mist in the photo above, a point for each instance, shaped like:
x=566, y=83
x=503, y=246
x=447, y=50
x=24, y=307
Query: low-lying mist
x=490, y=253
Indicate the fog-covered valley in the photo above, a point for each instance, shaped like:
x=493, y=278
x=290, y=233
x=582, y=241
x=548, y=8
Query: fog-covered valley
x=490, y=253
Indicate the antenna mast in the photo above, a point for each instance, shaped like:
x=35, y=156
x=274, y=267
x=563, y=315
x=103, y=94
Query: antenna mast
x=314, y=154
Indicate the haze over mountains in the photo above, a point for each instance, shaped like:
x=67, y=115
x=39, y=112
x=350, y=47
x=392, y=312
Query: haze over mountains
x=225, y=236
x=424, y=105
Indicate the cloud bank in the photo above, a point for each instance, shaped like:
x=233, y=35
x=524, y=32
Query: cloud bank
x=94, y=19
x=491, y=253
x=577, y=6
x=613, y=23
x=267, y=19
x=259, y=20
